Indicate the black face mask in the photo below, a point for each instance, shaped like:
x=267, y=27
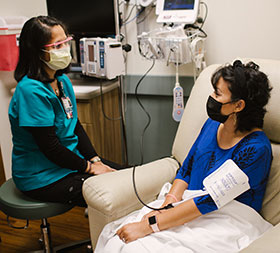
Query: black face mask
x=214, y=110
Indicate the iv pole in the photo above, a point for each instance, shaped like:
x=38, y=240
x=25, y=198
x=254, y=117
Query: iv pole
x=121, y=88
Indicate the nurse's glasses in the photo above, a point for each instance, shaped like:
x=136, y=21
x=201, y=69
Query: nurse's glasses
x=60, y=44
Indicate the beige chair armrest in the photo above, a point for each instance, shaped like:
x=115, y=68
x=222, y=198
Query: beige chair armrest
x=111, y=195
x=268, y=242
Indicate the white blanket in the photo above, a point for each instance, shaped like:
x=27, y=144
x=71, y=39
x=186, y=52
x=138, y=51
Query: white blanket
x=229, y=229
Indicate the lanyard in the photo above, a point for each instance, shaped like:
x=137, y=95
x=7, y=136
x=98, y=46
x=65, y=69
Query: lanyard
x=66, y=102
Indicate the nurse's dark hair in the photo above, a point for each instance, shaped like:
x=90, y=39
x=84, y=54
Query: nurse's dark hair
x=247, y=82
x=36, y=33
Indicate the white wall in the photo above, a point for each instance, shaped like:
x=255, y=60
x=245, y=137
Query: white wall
x=235, y=28
x=6, y=82
x=28, y=8
x=242, y=28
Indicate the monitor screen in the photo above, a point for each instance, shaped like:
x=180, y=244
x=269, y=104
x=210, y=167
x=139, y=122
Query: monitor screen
x=84, y=18
x=170, y=5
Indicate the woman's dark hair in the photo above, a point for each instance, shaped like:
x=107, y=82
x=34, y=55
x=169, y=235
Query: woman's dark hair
x=35, y=33
x=248, y=83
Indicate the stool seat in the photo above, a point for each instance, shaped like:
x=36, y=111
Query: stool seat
x=17, y=205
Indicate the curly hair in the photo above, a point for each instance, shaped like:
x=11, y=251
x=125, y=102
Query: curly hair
x=35, y=33
x=247, y=82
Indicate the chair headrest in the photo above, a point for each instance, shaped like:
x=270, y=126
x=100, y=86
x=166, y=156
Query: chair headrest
x=195, y=111
x=272, y=118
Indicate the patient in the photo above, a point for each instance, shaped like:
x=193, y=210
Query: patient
x=236, y=112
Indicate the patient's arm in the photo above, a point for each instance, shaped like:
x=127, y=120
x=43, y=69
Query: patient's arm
x=173, y=217
x=176, y=192
x=176, y=216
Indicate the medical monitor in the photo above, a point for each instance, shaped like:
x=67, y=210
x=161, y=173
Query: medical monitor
x=85, y=18
x=177, y=11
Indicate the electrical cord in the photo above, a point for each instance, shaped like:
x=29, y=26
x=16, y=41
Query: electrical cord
x=206, y=14
x=143, y=108
x=122, y=2
x=198, y=28
x=127, y=18
x=141, y=144
x=204, y=34
x=142, y=202
x=143, y=54
x=143, y=19
x=125, y=23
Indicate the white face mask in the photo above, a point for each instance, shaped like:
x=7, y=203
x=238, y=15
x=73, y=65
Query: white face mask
x=59, y=58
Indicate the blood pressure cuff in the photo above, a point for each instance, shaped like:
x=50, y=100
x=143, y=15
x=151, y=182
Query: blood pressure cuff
x=226, y=183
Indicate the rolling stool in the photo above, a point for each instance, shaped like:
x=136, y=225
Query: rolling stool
x=15, y=204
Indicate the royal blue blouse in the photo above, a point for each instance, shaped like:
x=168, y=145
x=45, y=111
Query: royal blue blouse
x=252, y=154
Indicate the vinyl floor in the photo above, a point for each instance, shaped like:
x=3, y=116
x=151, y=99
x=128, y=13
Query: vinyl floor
x=65, y=228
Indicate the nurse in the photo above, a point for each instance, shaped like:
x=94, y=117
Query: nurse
x=52, y=154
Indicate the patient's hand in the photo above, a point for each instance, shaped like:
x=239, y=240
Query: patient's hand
x=132, y=231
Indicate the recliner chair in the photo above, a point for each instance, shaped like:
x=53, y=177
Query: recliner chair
x=111, y=196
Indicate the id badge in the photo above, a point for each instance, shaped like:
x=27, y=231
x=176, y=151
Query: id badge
x=67, y=105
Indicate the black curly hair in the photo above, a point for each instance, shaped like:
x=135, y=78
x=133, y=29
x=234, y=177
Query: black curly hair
x=247, y=82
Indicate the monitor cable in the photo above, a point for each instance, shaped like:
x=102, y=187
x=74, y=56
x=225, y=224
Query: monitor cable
x=141, y=144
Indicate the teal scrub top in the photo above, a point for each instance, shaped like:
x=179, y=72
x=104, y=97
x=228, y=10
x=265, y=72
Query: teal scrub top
x=34, y=104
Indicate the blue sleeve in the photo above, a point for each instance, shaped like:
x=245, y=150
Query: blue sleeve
x=255, y=161
x=205, y=204
x=184, y=172
x=34, y=107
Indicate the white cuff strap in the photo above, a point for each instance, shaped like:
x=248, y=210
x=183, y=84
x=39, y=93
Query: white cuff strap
x=153, y=224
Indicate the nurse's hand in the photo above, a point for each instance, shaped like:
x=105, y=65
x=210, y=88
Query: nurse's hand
x=132, y=231
x=98, y=168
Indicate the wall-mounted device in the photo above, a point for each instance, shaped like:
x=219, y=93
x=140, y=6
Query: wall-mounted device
x=177, y=11
x=101, y=57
